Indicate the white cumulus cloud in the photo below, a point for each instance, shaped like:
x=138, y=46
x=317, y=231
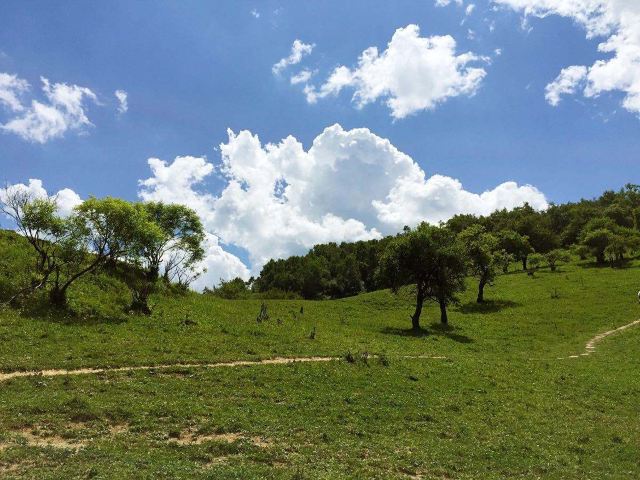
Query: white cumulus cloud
x=299, y=50
x=63, y=111
x=218, y=265
x=66, y=199
x=618, y=22
x=280, y=199
x=414, y=73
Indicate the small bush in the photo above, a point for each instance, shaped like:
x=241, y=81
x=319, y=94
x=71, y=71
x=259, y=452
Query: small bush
x=231, y=289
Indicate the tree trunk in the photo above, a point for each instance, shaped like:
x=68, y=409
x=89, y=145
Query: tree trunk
x=415, y=319
x=58, y=296
x=443, y=312
x=524, y=263
x=481, y=285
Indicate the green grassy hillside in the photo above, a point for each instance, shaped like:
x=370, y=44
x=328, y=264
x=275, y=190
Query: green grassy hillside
x=501, y=404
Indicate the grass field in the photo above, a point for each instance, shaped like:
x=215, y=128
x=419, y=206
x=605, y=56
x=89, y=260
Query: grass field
x=500, y=404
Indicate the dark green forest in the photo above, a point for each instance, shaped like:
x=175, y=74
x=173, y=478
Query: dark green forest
x=605, y=229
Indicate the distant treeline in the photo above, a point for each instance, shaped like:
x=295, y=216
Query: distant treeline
x=605, y=229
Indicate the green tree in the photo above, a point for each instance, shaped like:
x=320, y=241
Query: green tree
x=233, y=289
x=597, y=240
x=515, y=244
x=170, y=235
x=432, y=259
x=111, y=229
x=503, y=260
x=535, y=260
x=624, y=242
x=480, y=248
x=67, y=248
x=556, y=256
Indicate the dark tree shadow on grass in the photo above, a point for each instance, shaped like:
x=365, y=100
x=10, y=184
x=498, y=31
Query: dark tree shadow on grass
x=617, y=265
x=448, y=330
x=40, y=309
x=488, y=306
x=435, y=329
x=405, y=332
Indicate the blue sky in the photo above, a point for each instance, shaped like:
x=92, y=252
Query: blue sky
x=192, y=70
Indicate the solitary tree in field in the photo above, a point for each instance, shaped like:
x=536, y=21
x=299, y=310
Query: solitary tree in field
x=432, y=259
x=480, y=247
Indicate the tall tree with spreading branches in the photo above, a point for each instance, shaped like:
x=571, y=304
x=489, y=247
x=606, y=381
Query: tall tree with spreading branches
x=430, y=258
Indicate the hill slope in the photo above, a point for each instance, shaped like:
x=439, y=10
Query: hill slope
x=501, y=404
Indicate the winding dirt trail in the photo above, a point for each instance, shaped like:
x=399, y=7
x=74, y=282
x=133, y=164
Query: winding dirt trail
x=590, y=346
x=236, y=363
x=89, y=371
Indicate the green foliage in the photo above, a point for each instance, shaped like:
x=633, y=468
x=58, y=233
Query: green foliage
x=503, y=260
x=535, y=261
x=100, y=234
x=16, y=263
x=233, y=289
x=349, y=268
x=516, y=245
x=606, y=239
x=431, y=258
x=480, y=249
x=555, y=257
x=338, y=271
x=169, y=235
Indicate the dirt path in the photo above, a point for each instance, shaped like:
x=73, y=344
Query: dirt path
x=237, y=363
x=590, y=346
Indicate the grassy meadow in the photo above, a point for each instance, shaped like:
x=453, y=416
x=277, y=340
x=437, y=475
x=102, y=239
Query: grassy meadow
x=500, y=404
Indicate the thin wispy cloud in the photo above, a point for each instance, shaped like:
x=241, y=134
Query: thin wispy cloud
x=299, y=50
x=123, y=100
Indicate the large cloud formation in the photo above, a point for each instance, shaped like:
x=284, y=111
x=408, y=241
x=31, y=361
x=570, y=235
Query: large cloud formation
x=618, y=21
x=280, y=199
x=414, y=73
